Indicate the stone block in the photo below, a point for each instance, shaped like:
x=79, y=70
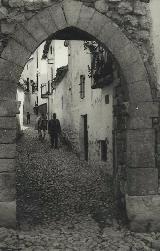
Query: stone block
x=142, y=181
x=101, y=6
x=29, y=5
x=7, y=89
x=96, y=24
x=7, y=165
x=22, y=36
x=139, y=8
x=37, y=31
x=7, y=122
x=85, y=16
x=142, y=35
x=143, y=213
x=7, y=28
x=7, y=136
x=15, y=53
x=7, y=151
x=10, y=71
x=125, y=53
x=16, y=3
x=46, y=21
x=3, y=12
x=8, y=107
x=155, y=244
x=58, y=16
x=125, y=8
x=141, y=113
x=7, y=187
x=139, y=91
x=72, y=11
x=8, y=214
x=141, y=148
x=108, y=31
x=47, y=2
x=37, y=4
x=130, y=20
x=135, y=72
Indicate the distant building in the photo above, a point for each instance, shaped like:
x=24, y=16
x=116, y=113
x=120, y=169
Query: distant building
x=38, y=75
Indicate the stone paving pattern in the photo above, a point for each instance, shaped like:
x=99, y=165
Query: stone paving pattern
x=64, y=204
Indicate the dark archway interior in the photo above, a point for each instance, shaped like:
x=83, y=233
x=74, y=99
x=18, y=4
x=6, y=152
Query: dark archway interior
x=71, y=33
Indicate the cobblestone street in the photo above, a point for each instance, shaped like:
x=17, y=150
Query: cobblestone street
x=65, y=204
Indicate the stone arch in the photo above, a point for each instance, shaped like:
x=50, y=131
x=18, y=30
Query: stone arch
x=140, y=135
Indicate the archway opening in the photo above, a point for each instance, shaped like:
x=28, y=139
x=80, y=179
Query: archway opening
x=81, y=82
x=141, y=108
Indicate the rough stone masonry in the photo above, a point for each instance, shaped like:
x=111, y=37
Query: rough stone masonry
x=19, y=38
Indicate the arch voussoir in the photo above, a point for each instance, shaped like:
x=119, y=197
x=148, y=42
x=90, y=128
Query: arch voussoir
x=85, y=16
x=9, y=70
x=95, y=24
x=23, y=37
x=141, y=75
x=16, y=53
x=45, y=19
x=141, y=113
x=37, y=31
x=139, y=91
x=58, y=16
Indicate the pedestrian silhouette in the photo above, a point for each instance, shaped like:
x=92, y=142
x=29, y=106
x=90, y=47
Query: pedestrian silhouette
x=54, y=130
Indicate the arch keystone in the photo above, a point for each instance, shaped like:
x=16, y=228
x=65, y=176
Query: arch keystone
x=72, y=11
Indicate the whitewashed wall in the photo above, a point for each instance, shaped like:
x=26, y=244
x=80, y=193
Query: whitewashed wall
x=99, y=113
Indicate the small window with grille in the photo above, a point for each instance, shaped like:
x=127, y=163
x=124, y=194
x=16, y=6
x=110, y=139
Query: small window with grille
x=82, y=86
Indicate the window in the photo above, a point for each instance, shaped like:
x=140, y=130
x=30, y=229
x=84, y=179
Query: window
x=106, y=99
x=103, y=146
x=37, y=80
x=51, y=50
x=82, y=86
x=27, y=85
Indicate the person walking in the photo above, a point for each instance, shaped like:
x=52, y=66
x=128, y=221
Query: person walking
x=54, y=129
x=42, y=126
x=28, y=118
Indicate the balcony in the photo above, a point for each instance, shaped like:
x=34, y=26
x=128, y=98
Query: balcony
x=46, y=90
x=100, y=81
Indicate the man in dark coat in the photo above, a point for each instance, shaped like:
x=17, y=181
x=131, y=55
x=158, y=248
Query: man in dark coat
x=54, y=129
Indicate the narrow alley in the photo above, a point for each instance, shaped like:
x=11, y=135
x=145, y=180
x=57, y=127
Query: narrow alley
x=65, y=204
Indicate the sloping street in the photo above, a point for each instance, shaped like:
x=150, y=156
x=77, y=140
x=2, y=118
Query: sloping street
x=65, y=204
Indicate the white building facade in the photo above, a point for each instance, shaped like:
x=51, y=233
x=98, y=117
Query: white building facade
x=86, y=114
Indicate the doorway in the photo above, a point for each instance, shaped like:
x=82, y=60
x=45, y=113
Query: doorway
x=84, y=137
